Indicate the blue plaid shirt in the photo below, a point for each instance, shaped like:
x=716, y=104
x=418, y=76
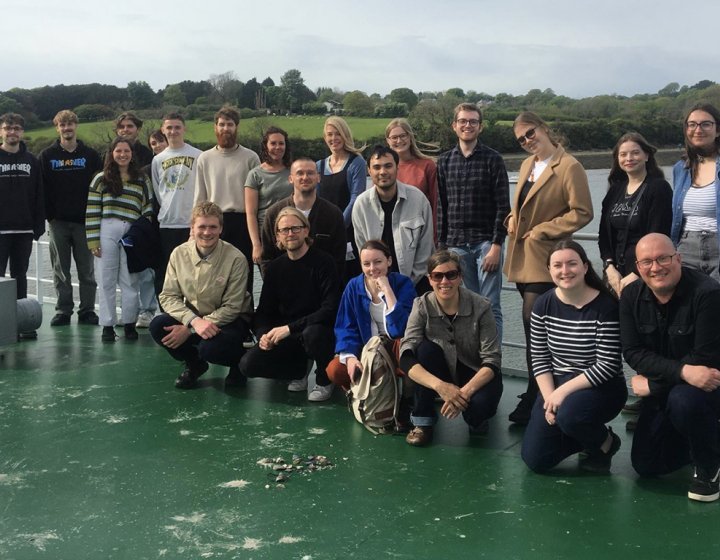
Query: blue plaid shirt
x=474, y=197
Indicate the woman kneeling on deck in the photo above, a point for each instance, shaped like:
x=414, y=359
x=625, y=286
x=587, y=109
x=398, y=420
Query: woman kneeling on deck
x=451, y=349
x=376, y=302
x=575, y=348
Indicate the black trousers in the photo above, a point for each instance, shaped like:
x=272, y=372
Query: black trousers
x=225, y=348
x=16, y=248
x=288, y=360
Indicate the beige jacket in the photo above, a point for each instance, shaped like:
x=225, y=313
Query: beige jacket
x=214, y=288
x=557, y=206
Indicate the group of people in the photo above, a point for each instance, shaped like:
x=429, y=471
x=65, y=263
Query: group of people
x=416, y=257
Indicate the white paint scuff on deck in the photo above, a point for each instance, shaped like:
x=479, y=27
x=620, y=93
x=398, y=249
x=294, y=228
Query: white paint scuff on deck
x=184, y=416
x=40, y=540
x=288, y=539
x=234, y=484
x=252, y=544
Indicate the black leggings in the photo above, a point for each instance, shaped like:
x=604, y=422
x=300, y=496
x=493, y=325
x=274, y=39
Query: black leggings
x=530, y=292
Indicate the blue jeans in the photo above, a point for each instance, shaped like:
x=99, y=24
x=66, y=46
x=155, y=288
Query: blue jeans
x=580, y=424
x=488, y=284
x=146, y=291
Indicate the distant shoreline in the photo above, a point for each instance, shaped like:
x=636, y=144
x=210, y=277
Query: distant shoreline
x=601, y=159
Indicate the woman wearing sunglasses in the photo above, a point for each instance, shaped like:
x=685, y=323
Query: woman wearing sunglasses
x=576, y=360
x=696, y=192
x=638, y=202
x=451, y=349
x=552, y=201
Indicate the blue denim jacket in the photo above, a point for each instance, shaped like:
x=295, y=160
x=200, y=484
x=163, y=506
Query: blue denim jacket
x=681, y=183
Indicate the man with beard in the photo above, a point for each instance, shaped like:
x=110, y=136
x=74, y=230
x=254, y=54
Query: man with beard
x=68, y=167
x=327, y=228
x=296, y=314
x=398, y=214
x=221, y=178
x=22, y=212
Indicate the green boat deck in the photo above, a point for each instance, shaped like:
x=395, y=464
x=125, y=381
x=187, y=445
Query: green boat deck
x=102, y=458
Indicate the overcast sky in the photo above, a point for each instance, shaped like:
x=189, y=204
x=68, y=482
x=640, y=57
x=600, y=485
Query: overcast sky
x=578, y=48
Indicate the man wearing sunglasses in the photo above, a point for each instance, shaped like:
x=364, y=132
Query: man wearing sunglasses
x=398, y=214
x=474, y=199
x=668, y=326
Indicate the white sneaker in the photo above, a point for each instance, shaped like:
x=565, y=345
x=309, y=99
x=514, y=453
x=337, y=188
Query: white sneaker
x=321, y=393
x=143, y=320
x=298, y=385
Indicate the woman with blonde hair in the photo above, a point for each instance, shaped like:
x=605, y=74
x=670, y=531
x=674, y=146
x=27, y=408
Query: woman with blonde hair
x=415, y=168
x=552, y=201
x=343, y=177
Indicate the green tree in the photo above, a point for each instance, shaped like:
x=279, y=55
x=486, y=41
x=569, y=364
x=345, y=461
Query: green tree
x=391, y=110
x=226, y=87
x=295, y=91
x=248, y=97
x=670, y=90
x=456, y=92
x=141, y=95
x=173, y=95
x=9, y=105
x=404, y=95
x=358, y=104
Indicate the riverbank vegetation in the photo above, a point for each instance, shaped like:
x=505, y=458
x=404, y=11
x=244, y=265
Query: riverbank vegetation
x=588, y=124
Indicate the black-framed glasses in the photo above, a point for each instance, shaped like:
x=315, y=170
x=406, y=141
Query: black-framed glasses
x=529, y=135
x=704, y=125
x=662, y=260
x=438, y=276
x=466, y=122
x=287, y=230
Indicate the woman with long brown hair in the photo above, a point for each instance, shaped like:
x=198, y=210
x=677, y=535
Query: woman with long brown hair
x=696, y=192
x=638, y=202
x=118, y=196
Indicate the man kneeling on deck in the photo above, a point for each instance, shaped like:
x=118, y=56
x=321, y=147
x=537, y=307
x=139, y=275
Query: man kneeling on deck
x=206, y=302
x=298, y=304
x=668, y=327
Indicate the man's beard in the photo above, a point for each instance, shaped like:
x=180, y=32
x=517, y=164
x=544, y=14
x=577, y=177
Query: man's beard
x=226, y=139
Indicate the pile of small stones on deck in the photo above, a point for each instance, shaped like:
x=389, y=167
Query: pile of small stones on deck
x=282, y=470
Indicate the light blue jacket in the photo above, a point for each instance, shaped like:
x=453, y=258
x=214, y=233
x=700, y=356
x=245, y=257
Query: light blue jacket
x=682, y=181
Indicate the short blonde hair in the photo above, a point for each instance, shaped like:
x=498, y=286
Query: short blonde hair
x=66, y=115
x=205, y=209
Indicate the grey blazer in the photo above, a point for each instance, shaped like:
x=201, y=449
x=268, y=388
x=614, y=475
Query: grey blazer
x=471, y=338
